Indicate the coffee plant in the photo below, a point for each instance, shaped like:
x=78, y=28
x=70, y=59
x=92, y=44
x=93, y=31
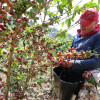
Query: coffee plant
x=26, y=50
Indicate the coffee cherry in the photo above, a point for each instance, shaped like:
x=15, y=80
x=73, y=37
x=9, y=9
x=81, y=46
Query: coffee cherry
x=59, y=53
x=81, y=51
x=72, y=48
x=19, y=20
x=0, y=86
x=4, y=28
x=65, y=54
x=9, y=3
x=2, y=37
x=1, y=25
x=69, y=49
x=1, y=98
x=4, y=52
x=33, y=2
x=24, y=19
x=16, y=39
x=0, y=30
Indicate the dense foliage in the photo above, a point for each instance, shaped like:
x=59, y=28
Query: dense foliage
x=26, y=48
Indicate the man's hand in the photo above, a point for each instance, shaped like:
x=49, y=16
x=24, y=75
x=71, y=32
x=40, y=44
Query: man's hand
x=66, y=63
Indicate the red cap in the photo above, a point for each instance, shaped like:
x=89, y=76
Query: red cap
x=88, y=17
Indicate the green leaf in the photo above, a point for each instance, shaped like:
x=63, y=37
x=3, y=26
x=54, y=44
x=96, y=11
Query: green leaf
x=97, y=7
x=64, y=2
x=18, y=77
x=92, y=0
x=76, y=8
x=0, y=49
x=62, y=24
x=55, y=1
x=18, y=73
x=25, y=55
x=61, y=11
x=99, y=2
x=39, y=82
x=68, y=22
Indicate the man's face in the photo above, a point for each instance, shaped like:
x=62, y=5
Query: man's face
x=89, y=28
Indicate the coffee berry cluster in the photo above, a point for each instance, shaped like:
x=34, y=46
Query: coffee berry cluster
x=72, y=54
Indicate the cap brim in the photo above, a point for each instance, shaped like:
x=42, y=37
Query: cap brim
x=83, y=22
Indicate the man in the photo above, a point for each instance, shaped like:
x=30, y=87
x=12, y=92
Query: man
x=87, y=38
x=88, y=27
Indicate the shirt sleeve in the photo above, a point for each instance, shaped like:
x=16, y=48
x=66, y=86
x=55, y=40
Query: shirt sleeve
x=88, y=64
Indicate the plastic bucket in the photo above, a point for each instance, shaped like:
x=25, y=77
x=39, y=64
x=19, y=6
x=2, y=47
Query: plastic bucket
x=65, y=89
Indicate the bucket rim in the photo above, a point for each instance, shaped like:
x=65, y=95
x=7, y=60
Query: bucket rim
x=54, y=73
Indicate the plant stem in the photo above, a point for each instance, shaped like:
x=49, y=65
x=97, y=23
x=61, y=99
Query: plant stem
x=10, y=62
x=41, y=7
x=9, y=69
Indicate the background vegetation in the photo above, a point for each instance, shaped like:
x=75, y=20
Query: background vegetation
x=28, y=45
